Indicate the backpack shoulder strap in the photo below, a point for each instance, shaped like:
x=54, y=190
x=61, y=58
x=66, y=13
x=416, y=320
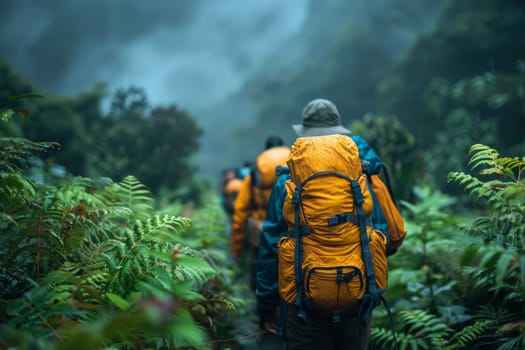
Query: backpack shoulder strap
x=372, y=298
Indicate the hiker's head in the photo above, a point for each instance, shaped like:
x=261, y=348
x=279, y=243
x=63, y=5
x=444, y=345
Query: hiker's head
x=273, y=141
x=245, y=169
x=228, y=174
x=320, y=117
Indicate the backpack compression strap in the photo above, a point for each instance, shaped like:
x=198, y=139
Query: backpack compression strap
x=371, y=299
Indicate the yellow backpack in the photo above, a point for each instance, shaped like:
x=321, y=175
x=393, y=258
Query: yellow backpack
x=263, y=175
x=331, y=261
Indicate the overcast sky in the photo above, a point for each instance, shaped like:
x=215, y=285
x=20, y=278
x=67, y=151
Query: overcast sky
x=192, y=53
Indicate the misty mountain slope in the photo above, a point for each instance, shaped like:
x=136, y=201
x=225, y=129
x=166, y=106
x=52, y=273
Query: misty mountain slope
x=244, y=68
x=192, y=53
x=342, y=52
x=66, y=48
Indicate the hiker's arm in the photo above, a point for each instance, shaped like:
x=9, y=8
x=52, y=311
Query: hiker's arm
x=241, y=213
x=267, y=274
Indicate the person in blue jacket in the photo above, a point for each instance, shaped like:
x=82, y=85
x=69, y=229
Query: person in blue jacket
x=320, y=117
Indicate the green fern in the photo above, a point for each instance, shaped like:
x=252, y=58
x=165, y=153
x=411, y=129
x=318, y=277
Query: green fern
x=499, y=316
x=503, y=225
x=504, y=327
x=132, y=195
x=469, y=335
x=420, y=330
x=132, y=258
x=195, y=269
x=424, y=325
x=70, y=253
x=512, y=343
x=503, y=194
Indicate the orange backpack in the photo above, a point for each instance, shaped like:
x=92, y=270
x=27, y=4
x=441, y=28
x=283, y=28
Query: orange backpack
x=331, y=261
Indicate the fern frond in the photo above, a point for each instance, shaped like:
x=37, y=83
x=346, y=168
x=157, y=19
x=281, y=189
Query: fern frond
x=516, y=342
x=16, y=151
x=381, y=338
x=79, y=190
x=470, y=334
x=503, y=195
x=511, y=163
x=480, y=152
x=130, y=192
x=97, y=257
x=144, y=247
x=14, y=184
x=492, y=171
x=424, y=325
x=191, y=266
x=499, y=316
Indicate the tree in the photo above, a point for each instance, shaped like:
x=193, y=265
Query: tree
x=471, y=37
x=173, y=138
x=54, y=119
x=12, y=85
x=155, y=145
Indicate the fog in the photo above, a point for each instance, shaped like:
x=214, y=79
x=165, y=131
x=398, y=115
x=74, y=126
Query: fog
x=205, y=56
x=192, y=53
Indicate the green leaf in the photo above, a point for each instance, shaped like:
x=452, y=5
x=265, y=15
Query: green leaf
x=490, y=258
x=118, y=301
x=164, y=277
x=135, y=296
x=502, y=268
x=192, y=262
x=154, y=289
x=468, y=256
x=158, y=254
x=6, y=115
x=13, y=308
x=193, y=296
x=498, y=100
x=65, y=311
x=186, y=329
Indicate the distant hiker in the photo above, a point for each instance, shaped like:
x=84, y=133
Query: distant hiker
x=250, y=206
x=324, y=246
x=231, y=185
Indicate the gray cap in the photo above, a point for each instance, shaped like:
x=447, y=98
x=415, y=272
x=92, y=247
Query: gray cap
x=320, y=117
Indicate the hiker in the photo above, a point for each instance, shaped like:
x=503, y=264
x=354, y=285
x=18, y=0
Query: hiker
x=250, y=205
x=316, y=300
x=231, y=185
